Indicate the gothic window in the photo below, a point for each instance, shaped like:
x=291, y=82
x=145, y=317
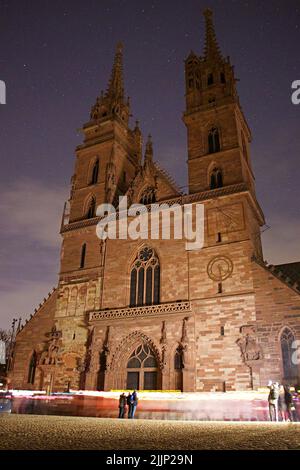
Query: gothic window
x=91, y=212
x=95, y=172
x=82, y=257
x=142, y=369
x=32, y=368
x=145, y=279
x=210, y=79
x=216, y=179
x=148, y=196
x=222, y=77
x=289, y=368
x=213, y=140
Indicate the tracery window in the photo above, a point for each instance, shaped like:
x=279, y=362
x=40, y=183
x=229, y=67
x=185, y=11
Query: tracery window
x=91, y=212
x=216, y=179
x=213, y=140
x=82, y=257
x=95, y=172
x=142, y=357
x=290, y=369
x=145, y=279
x=142, y=369
x=148, y=196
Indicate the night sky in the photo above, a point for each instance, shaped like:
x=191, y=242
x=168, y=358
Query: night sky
x=56, y=56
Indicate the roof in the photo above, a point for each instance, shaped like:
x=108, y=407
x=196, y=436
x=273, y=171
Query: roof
x=291, y=270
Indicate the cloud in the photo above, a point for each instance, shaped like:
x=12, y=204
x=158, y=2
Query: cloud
x=33, y=210
x=20, y=300
x=29, y=250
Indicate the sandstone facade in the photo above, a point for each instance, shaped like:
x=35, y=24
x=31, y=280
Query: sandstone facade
x=148, y=313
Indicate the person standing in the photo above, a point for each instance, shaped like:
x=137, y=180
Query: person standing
x=288, y=397
x=134, y=403
x=129, y=404
x=273, y=400
x=122, y=405
x=282, y=407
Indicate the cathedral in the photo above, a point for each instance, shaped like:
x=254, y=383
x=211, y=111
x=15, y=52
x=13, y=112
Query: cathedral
x=148, y=313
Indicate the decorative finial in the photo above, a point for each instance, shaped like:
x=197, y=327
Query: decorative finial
x=149, y=150
x=211, y=49
x=120, y=47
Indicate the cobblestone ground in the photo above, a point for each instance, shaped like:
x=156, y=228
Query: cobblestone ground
x=57, y=432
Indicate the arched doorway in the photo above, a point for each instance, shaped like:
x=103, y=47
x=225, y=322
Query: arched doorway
x=142, y=369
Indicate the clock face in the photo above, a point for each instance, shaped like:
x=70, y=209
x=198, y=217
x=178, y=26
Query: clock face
x=219, y=268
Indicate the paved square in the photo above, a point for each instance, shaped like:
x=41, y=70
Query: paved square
x=57, y=432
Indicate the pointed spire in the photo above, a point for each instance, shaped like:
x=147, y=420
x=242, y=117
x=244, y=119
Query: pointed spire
x=149, y=151
x=115, y=88
x=113, y=102
x=211, y=49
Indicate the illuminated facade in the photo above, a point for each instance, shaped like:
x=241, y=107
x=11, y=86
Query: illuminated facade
x=149, y=314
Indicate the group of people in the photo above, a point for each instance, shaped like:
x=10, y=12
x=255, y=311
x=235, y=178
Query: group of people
x=129, y=403
x=280, y=402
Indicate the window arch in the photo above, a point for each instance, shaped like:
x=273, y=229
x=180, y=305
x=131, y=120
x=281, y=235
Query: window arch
x=213, y=140
x=95, y=172
x=290, y=370
x=216, y=179
x=142, y=369
x=91, y=208
x=82, y=256
x=32, y=368
x=145, y=278
x=148, y=196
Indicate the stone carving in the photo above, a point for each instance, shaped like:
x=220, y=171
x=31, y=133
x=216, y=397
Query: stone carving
x=219, y=268
x=250, y=349
x=88, y=356
x=144, y=311
x=184, y=338
x=128, y=343
x=106, y=350
x=50, y=356
x=164, y=343
x=163, y=339
x=182, y=350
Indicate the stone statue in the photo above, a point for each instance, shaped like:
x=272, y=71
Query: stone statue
x=248, y=344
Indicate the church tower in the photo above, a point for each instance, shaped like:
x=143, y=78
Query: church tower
x=218, y=135
x=110, y=155
x=146, y=312
x=106, y=164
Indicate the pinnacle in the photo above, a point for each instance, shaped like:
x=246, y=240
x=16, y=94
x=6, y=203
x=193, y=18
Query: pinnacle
x=211, y=49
